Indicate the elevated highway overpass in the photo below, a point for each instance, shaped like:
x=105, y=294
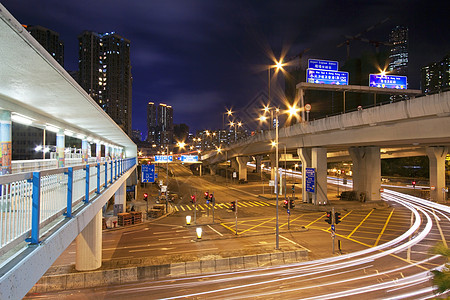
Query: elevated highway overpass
x=419, y=126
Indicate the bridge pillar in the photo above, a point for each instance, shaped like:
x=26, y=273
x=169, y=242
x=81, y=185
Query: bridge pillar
x=89, y=245
x=258, y=160
x=242, y=162
x=366, y=171
x=60, y=147
x=212, y=169
x=319, y=162
x=273, y=167
x=305, y=157
x=436, y=156
x=5, y=142
x=120, y=196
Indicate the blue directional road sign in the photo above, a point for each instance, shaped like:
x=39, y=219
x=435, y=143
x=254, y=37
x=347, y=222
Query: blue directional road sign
x=326, y=77
x=388, y=81
x=148, y=173
x=311, y=180
x=333, y=228
x=189, y=158
x=163, y=158
x=322, y=64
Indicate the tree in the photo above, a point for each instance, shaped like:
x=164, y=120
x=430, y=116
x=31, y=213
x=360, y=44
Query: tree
x=442, y=278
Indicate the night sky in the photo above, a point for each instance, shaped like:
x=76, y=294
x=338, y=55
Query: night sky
x=202, y=57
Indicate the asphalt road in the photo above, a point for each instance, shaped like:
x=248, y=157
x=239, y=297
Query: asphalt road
x=385, y=250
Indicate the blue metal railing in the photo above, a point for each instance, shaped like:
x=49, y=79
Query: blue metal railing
x=29, y=201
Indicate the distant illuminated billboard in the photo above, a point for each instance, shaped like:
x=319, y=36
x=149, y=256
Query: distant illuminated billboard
x=388, y=81
x=322, y=64
x=326, y=77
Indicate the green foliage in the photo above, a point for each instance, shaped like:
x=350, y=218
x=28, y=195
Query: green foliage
x=442, y=278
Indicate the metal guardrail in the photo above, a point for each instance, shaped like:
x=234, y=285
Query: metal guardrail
x=29, y=201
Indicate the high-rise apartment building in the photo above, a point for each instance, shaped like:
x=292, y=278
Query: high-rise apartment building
x=105, y=74
x=398, y=56
x=151, y=123
x=165, y=124
x=436, y=76
x=160, y=124
x=49, y=39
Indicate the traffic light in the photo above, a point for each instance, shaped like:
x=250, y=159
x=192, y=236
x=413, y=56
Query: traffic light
x=206, y=195
x=212, y=199
x=233, y=205
x=337, y=218
x=145, y=196
x=329, y=219
x=292, y=204
x=193, y=198
x=414, y=184
x=285, y=203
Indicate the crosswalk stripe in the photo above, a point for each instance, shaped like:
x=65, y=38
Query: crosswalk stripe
x=186, y=207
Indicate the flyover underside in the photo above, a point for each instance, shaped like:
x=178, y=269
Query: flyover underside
x=17, y=279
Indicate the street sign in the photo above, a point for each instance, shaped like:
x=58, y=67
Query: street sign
x=163, y=158
x=271, y=182
x=388, y=81
x=308, y=107
x=322, y=64
x=333, y=228
x=311, y=180
x=189, y=158
x=326, y=77
x=234, y=174
x=148, y=173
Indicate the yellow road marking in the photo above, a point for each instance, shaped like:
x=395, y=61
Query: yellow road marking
x=188, y=207
x=229, y=228
x=356, y=228
x=176, y=208
x=346, y=215
x=315, y=220
x=384, y=228
x=181, y=206
x=291, y=221
x=257, y=225
x=200, y=206
x=242, y=204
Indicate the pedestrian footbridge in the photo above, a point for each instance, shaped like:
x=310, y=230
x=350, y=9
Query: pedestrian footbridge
x=48, y=203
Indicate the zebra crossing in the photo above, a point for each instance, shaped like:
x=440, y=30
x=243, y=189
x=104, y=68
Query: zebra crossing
x=203, y=206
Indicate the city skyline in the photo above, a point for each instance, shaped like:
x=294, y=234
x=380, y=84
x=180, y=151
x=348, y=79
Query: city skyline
x=214, y=56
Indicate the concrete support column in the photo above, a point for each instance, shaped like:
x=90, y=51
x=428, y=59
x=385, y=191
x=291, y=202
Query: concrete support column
x=5, y=142
x=85, y=150
x=212, y=169
x=319, y=162
x=437, y=155
x=89, y=245
x=98, y=152
x=60, y=147
x=120, y=196
x=258, y=161
x=242, y=162
x=273, y=167
x=305, y=157
x=366, y=171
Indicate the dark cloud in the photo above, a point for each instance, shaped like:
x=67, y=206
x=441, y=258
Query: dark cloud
x=203, y=56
